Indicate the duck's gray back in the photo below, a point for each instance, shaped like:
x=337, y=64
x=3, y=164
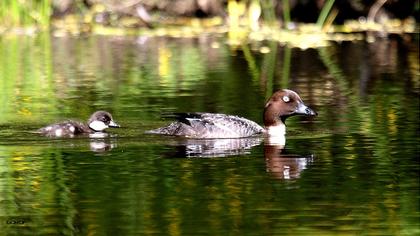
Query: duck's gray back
x=210, y=125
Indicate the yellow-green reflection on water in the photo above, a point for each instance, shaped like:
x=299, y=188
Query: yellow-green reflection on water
x=352, y=170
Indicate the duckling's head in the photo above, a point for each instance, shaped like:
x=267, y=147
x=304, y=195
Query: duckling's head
x=101, y=120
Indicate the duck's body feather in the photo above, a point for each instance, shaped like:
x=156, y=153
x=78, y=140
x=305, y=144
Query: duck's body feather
x=209, y=125
x=281, y=105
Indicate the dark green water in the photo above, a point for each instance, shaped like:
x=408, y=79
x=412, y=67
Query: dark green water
x=353, y=170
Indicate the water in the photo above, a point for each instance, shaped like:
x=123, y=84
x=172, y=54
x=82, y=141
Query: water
x=354, y=169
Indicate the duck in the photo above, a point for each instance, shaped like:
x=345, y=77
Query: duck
x=98, y=122
x=200, y=125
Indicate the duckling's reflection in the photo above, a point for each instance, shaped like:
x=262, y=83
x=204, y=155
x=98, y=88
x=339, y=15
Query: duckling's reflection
x=101, y=142
x=101, y=146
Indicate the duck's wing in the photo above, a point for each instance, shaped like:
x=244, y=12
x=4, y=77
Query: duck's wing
x=182, y=127
x=209, y=125
x=232, y=126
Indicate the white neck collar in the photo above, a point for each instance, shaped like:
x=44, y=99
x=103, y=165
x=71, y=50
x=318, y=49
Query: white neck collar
x=276, y=135
x=98, y=125
x=276, y=130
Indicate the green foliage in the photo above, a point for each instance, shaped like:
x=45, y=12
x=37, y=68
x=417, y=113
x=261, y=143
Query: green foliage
x=25, y=13
x=324, y=13
x=361, y=141
x=286, y=12
x=269, y=13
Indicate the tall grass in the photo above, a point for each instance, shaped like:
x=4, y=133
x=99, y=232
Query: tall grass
x=325, y=18
x=20, y=13
x=286, y=12
x=324, y=13
x=269, y=13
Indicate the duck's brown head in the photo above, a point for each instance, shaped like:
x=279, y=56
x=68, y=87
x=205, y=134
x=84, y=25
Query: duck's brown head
x=283, y=104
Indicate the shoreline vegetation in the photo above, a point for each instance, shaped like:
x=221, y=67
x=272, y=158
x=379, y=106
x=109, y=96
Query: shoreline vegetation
x=288, y=22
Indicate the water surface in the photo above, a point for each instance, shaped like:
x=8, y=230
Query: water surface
x=354, y=169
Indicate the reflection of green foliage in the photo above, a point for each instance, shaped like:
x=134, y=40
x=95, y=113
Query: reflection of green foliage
x=361, y=180
x=23, y=13
x=25, y=76
x=37, y=183
x=186, y=69
x=251, y=62
x=380, y=126
x=269, y=67
x=286, y=67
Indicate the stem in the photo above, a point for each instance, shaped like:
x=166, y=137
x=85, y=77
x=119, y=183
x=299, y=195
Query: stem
x=286, y=12
x=374, y=10
x=324, y=13
x=268, y=9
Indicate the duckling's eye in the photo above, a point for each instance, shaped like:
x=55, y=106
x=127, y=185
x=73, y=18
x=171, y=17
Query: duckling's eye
x=286, y=99
x=104, y=119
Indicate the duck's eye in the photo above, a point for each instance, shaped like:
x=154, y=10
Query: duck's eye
x=286, y=99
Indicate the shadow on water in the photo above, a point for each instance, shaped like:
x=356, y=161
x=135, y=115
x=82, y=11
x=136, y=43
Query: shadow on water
x=354, y=169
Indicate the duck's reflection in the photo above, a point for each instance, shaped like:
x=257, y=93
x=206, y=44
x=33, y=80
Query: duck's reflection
x=215, y=147
x=284, y=165
x=280, y=162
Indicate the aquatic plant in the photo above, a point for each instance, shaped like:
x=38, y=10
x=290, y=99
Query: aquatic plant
x=325, y=13
x=286, y=12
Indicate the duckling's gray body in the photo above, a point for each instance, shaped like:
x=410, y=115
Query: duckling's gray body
x=98, y=122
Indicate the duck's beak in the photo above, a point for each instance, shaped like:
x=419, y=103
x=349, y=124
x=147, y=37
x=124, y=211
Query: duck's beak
x=113, y=124
x=302, y=109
